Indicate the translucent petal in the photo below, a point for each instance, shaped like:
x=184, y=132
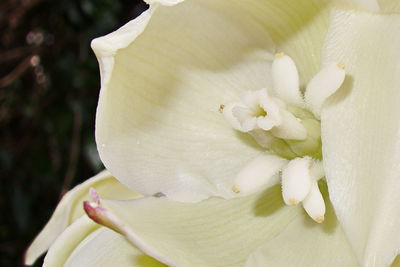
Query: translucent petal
x=105, y=248
x=158, y=127
x=70, y=208
x=360, y=133
x=215, y=232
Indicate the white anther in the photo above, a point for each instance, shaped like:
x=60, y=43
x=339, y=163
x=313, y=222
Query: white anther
x=257, y=174
x=290, y=128
x=296, y=180
x=314, y=204
x=323, y=85
x=285, y=79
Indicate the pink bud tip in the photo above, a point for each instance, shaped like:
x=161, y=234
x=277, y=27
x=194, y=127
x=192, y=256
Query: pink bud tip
x=94, y=195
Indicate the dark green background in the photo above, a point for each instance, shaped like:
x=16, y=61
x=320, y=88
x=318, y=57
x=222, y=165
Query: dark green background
x=47, y=107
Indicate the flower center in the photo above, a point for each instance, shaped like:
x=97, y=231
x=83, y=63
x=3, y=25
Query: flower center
x=260, y=112
x=285, y=123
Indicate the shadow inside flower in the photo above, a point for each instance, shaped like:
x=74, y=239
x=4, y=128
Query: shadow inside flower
x=269, y=202
x=248, y=140
x=145, y=260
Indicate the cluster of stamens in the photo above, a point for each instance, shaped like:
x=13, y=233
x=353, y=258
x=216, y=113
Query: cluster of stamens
x=286, y=123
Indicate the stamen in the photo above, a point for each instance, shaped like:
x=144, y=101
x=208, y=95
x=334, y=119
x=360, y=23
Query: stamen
x=279, y=55
x=285, y=80
x=296, y=180
x=257, y=174
x=221, y=108
x=235, y=189
x=314, y=204
x=322, y=85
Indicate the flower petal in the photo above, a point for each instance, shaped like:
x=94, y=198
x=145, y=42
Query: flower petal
x=360, y=133
x=70, y=208
x=305, y=243
x=215, y=232
x=68, y=241
x=105, y=248
x=158, y=127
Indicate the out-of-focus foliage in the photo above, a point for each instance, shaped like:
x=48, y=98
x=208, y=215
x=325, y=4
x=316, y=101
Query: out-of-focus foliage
x=49, y=85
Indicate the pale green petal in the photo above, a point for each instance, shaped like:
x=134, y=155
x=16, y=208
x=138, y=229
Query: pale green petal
x=304, y=243
x=215, y=232
x=360, y=133
x=70, y=208
x=106, y=248
x=69, y=239
x=158, y=127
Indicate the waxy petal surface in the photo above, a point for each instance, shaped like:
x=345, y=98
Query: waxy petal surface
x=158, y=127
x=361, y=133
x=70, y=208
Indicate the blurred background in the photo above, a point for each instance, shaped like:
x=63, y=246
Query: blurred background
x=49, y=85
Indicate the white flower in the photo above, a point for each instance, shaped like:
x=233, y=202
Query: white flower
x=164, y=77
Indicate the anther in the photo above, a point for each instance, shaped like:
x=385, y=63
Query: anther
x=341, y=65
x=221, y=108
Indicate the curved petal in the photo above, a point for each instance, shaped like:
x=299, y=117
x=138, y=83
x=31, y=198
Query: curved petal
x=158, y=127
x=360, y=133
x=105, y=248
x=305, y=243
x=70, y=208
x=69, y=239
x=214, y=232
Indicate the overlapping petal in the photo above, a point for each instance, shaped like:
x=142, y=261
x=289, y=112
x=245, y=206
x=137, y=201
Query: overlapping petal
x=70, y=209
x=85, y=243
x=214, y=232
x=220, y=232
x=105, y=248
x=158, y=127
x=361, y=133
